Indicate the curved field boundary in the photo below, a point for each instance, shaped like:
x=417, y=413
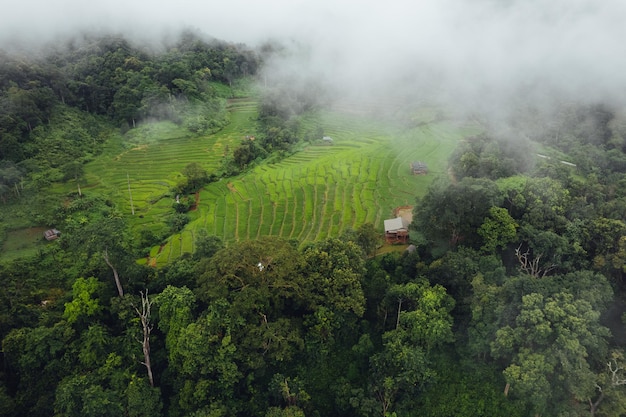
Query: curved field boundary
x=322, y=191
x=152, y=157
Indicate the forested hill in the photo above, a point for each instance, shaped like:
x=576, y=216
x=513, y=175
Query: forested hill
x=110, y=76
x=509, y=302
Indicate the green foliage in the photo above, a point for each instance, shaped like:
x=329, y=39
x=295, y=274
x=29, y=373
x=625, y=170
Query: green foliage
x=83, y=305
x=552, y=338
x=366, y=237
x=143, y=400
x=175, y=308
x=10, y=176
x=195, y=178
x=177, y=221
x=493, y=156
x=37, y=358
x=206, y=245
x=465, y=390
x=290, y=411
x=451, y=213
x=333, y=269
x=498, y=229
x=78, y=396
x=94, y=345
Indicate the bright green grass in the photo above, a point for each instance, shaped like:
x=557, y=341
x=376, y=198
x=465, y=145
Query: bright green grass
x=152, y=157
x=318, y=192
x=323, y=190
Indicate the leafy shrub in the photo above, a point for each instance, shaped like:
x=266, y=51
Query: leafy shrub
x=177, y=221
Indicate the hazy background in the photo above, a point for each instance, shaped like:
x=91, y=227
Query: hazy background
x=473, y=53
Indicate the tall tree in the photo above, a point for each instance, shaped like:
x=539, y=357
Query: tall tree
x=552, y=339
x=423, y=322
x=450, y=214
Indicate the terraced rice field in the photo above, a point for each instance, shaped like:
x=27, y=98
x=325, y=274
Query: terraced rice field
x=324, y=189
x=153, y=158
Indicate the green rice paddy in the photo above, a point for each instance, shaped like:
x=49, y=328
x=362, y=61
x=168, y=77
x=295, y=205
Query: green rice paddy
x=318, y=192
x=324, y=189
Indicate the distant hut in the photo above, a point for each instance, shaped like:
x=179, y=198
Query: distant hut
x=51, y=234
x=396, y=230
x=328, y=140
x=419, y=168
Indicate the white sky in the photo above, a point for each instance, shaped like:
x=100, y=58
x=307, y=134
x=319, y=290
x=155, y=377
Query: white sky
x=474, y=47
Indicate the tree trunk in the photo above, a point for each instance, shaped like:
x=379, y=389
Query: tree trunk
x=118, y=283
x=593, y=406
x=144, y=315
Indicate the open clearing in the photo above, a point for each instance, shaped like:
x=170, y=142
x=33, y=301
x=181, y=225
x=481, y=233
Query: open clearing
x=316, y=193
x=152, y=158
x=324, y=189
x=23, y=242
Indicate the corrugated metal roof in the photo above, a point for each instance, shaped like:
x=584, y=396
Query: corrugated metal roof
x=395, y=224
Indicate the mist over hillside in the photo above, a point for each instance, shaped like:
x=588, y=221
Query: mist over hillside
x=479, y=55
x=238, y=163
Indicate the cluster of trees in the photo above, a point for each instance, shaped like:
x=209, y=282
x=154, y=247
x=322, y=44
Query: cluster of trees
x=62, y=105
x=110, y=76
x=510, y=305
x=279, y=131
x=545, y=304
x=263, y=327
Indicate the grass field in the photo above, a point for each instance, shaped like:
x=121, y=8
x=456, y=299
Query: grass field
x=323, y=189
x=152, y=158
x=23, y=242
x=318, y=192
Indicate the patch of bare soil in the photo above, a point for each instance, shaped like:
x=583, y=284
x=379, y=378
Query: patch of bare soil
x=196, y=202
x=406, y=212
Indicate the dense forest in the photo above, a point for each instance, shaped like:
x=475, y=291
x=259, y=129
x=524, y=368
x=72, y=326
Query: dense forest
x=509, y=303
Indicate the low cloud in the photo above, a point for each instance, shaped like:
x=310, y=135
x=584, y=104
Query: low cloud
x=472, y=53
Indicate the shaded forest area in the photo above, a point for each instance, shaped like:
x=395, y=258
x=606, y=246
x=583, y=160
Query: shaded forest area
x=59, y=108
x=511, y=304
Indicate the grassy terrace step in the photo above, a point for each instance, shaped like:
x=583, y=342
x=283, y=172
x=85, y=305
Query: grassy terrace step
x=318, y=192
x=325, y=189
x=151, y=159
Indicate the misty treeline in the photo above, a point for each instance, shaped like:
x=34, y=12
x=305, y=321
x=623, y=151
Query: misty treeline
x=58, y=108
x=109, y=75
x=511, y=303
x=62, y=104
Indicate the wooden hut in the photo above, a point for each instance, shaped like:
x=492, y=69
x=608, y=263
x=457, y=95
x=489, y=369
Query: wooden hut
x=51, y=234
x=396, y=230
x=419, y=168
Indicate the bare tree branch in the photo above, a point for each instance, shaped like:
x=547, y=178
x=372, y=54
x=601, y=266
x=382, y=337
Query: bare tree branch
x=144, y=316
x=532, y=266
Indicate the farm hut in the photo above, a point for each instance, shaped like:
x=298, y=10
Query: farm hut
x=51, y=234
x=328, y=140
x=419, y=168
x=396, y=230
